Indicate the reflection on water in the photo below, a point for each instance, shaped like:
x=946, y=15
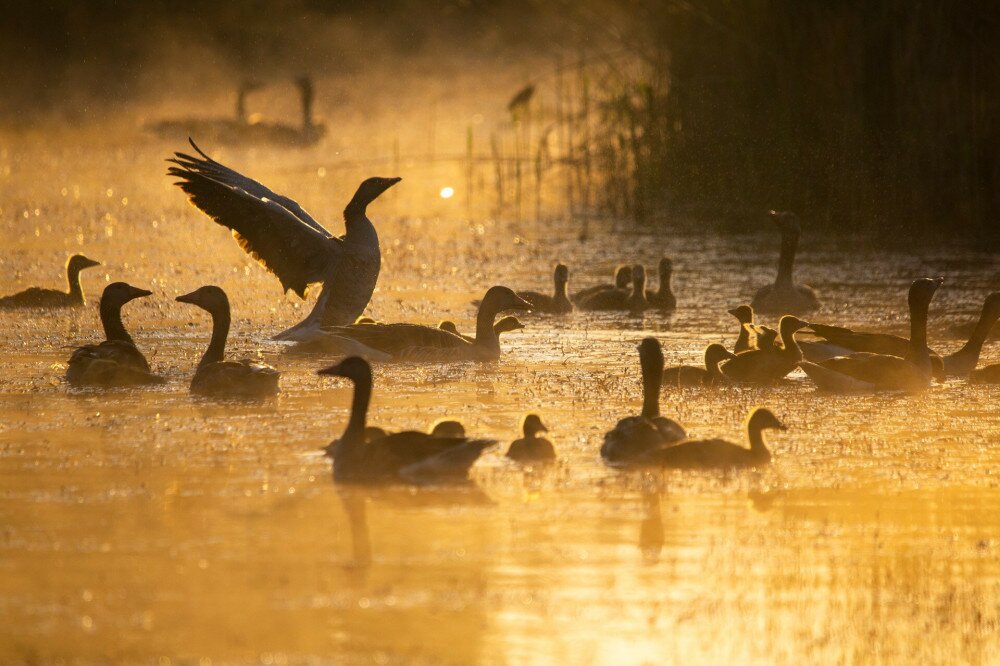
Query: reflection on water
x=146, y=524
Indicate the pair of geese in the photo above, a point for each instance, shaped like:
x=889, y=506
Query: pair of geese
x=363, y=454
x=117, y=361
x=627, y=293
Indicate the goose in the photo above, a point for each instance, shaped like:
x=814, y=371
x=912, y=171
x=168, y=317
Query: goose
x=872, y=371
x=623, y=278
x=634, y=435
x=744, y=315
x=416, y=342
x=555, y=303
x=288, y=242
x=37, y=297
x=719, y=453
x=765, y=337
x=988, y=374
x=116, y=361
x=633, y=301
x=691, y=375
x=448, y=428
x=216, y=376
x=223, y=130
x=307, y=134
x=531, y=447
x=768, y=365
x=409, y=457
x=784, y=296
x=502, y=325
x=663, y=298
x=964, y=361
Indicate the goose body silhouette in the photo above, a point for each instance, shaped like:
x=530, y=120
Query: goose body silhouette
x=634, y=436
x=663, y=298
x=632, y=301
x=785, y=296
x=38, y=297
x=744, y=315
x=216, y=376
x=556, y=303
x=623, y=279
x=116, y=361
x=706, y=454
x=691, y=375
x=531, y=447
x=288, y=242
x=411, y=457
x=768, y=365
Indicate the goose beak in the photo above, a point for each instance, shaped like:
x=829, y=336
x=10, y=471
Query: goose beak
x=90, y=263
x=187, y=298
x=732, y=311
x=938, y=281
x=520, y=304
x=542, y=427
x=333, y=370
x=139, y=293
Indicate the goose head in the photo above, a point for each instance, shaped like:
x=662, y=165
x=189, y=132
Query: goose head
x=992, y=305
x=371, y=189
x=922, y=291
x=665, y=268
x=507, y=324
x=786, y=221
x=210, y=298
x=354, y=368
x=715, y=354
x=561, y=275
x=763, y=418
x=788, y=324
x=743, y=313
x=765, y=335
x=650, y=355
x=448, y=428
x=623, y=277
x=449, y=326
x=78, y=262
x=500, y=298
x=118, y=294
x=638, y=278
x=533, y=425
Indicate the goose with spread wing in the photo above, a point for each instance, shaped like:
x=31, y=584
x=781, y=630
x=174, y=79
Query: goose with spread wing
x=281, y=235
x=38, y=297
x=409, y=457
x=116, y=361
x=784, y=296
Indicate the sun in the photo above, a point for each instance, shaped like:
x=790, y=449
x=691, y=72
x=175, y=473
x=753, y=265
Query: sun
x=447, y=192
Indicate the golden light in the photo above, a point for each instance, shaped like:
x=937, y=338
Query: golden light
x=447, y=192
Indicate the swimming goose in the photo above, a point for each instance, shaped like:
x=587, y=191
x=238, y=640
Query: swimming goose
x=219, y=377
x=744, y=315
x=964, y=361
x=287, y=241
x=784, y=296
x=766, y=366
x=408, y=457
x=719, y=453
x=555, y=303
x=663, y=298
x=692, y=375
x=308, y=133
x=502, y=325
x=416, y=342
x=869, y=371
x=633, y=301
x=116, y=361
x=37, y=297
x=635, y=435
x=623, y=278
x=531, y=447
x=223, y=130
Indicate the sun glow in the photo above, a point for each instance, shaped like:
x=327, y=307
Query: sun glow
x=447, y=192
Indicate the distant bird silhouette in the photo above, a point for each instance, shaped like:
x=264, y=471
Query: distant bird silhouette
x=409, y=457
x=531, y=447
x=226, y=131
x=784, y=296
x=116, y=361
x=623, y=278
x=555, y=303
x=306, y=134
x=37, y=297
x=768, y=365
x=663, y=298
x=281, y=235
x=216, y=376
x=632, y=301
x=521, y=100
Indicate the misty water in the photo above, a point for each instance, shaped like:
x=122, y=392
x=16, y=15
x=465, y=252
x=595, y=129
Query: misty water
x=143, y=525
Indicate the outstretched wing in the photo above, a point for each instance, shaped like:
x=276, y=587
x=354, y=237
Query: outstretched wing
x=206, y=166
x=296, y=252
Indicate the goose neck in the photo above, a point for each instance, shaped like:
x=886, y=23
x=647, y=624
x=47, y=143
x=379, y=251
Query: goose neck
x=786, y=260
x=220, y=332
x=73, y=280
x=789, y=344
x=758, y=447
x=111, y=320
x=486, y=335
x=652, y=378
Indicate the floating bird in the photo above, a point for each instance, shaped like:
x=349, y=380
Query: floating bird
x=221, y=130
x=502, y=325
x=635, y=435
x=623, y=278
x=288, y=242
x=116, y=361
x=633, y=301
x=768, y=365
x=308, y=133
x=784, y=296
x=964, y=361
x=416, y=342
x=408, y=457
x=663, y=298
x=531, y=447
x=691, y=375
x=37, y=297
x=870, y=371
x=744, y=315
x=718, y=453
x=216, y=376
x=556, y=303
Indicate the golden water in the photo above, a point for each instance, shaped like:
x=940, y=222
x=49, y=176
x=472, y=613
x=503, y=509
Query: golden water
x=150, y=526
